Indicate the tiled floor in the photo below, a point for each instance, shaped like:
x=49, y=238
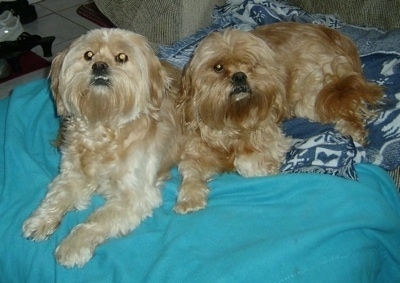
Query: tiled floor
x=58, y=18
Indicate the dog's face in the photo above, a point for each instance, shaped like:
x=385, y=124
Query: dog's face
x=232, y=81
x=108, y=76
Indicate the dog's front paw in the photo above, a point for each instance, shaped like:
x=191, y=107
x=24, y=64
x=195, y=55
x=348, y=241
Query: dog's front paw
x=73, y=252
x=252, y=165
x=189, y=205
x=39, y=228
x=191, y=198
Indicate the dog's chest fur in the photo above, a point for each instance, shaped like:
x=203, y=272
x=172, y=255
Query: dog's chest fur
x=228, y=142
x=101, y=151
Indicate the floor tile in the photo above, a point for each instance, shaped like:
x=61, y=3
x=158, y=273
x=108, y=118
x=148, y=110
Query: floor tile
x=59, y=5
x=57, y=48
x=56, y=25
x=73, y=16
x=42, y=11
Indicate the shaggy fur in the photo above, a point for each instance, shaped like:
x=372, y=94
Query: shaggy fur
x=240, y=85
x=116, y=100
x=323, y=77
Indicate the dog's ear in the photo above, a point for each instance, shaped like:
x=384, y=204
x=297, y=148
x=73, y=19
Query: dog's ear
x=186, y=95
x=187, y=89
x=54, y=75
x=159, y=83
x=186, y=82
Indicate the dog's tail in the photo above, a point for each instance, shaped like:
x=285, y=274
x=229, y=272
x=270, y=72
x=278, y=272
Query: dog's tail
x=349, y=101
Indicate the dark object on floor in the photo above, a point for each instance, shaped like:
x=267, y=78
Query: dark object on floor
x=24, y=43
x=4, y=69
x=22, y=9
x=92, y=13
x=27, y=63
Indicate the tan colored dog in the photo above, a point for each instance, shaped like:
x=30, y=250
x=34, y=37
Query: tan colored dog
x=117, y=103
x=240, y=85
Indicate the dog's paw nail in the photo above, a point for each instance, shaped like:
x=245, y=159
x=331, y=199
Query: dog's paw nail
x=185, y=207
x=37, y=238
x=38, y=229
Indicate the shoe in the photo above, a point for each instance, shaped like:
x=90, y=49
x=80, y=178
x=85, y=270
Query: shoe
x=6, y=16
x=20, y=8
x=24, y=43
x=10, y=27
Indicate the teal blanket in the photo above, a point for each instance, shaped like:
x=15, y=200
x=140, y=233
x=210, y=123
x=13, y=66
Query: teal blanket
x=284, y=228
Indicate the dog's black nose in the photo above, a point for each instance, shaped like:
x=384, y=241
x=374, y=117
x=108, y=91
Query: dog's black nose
x=99, y=66
x=240, y=86
x=239, y=78
x=100, y=72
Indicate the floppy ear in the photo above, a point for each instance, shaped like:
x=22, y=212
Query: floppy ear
x=186, y=82
x=187, y=90
x=54, y=75
x=186, y=98
x=160, y=82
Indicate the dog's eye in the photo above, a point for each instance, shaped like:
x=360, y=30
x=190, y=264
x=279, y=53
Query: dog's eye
x=218, y=68
x=88, y=55
x=121, y=58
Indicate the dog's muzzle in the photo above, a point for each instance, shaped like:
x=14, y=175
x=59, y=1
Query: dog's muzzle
x=100, y=73
x=240, y=87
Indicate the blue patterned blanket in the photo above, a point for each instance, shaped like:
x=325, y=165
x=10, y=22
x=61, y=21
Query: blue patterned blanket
x=319, y=148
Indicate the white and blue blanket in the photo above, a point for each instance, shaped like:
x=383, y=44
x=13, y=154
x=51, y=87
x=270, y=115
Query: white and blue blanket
x=319, y=148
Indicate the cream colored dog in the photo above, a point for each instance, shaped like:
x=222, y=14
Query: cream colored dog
x=240, y=85
x=116, y=100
